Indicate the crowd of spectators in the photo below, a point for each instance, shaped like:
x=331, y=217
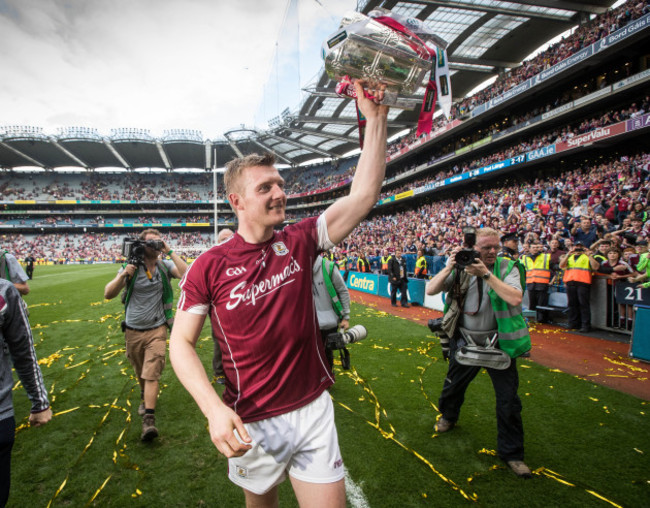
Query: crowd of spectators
x=555, y=135
x=93, y=247
x=585, y=35
x=613, y=196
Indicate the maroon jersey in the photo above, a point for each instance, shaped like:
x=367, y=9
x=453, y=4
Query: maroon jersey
x=261, y=307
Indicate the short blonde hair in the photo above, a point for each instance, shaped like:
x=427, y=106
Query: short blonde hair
x=236, y=167
x=480, y=232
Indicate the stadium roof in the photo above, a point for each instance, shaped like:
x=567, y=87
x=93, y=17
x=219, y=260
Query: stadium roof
x=485, y=37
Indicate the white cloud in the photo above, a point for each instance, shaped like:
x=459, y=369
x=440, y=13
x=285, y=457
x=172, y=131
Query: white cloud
x=155, y=64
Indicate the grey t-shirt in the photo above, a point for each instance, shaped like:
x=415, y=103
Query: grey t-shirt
x=484, y=319
x=16, y=272
x=145, y=309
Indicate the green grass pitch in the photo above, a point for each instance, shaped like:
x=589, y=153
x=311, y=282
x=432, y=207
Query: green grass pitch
x=588, y=445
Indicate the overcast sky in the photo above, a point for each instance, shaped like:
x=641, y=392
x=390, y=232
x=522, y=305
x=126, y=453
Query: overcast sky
x=208, y=65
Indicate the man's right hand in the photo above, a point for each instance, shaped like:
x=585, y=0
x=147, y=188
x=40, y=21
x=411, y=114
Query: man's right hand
x=222, y=426
x=451, y=260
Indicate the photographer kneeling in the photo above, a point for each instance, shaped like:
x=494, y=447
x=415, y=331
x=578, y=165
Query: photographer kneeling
x=483, y=305
x=147, y=298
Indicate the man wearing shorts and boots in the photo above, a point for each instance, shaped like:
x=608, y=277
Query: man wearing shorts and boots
x=276, y=417
x=147, y=298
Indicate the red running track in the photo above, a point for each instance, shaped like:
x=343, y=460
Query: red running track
x=600, y=361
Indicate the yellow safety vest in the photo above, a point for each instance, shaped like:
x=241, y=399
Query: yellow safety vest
x=578, y=269
x=538, y=271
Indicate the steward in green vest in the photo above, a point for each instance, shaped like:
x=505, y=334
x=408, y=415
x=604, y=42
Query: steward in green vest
x=421, y=266
x=385, y=258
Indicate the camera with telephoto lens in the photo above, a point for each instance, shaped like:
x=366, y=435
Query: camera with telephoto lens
x=338, y=340
x=133, y=249
x=435, y=325
x=468, y=255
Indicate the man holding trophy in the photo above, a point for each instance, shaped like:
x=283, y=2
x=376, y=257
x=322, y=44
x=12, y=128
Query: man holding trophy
x=276, y=418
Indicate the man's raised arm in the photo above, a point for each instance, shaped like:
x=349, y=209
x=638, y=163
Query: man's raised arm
x=346, y=213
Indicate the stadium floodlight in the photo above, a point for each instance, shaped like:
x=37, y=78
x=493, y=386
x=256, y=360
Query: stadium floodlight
x=131, y=134
x=183, y=135
x=24, y=132
x=75, y=132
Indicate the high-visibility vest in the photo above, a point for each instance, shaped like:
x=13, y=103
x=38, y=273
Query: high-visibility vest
x=363, y=265
x=513, y=337
x=601, y=259
x=421, y=266
x=538, y=271
x=384, y=263
x=341, y=263
x=578, y=269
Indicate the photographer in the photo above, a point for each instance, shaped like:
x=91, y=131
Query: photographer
x=484, y=297
x=332, y=301
x=148, y=296
x=578, y=265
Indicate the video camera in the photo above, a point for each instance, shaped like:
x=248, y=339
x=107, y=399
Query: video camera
x=468, y=255
x=133, y=249
x=338, y=340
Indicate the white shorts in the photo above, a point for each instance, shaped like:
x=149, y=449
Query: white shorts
x=303, y=443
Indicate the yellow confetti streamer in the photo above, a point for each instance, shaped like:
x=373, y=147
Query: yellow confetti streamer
x=625, y=364
x=48, y=361
x=77, y=364
x=99, y=490
x=558, y=478
x=58, y=491
x=66, y=411
x=378, y=410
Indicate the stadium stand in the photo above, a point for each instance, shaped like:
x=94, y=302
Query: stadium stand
x=561, y=136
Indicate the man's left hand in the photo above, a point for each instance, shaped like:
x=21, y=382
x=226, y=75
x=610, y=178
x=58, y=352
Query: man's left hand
x=344, y=324
x=40, y=418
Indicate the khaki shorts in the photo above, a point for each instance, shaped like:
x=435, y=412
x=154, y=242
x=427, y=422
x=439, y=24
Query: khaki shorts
x=146, y=352
x=302, y=443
